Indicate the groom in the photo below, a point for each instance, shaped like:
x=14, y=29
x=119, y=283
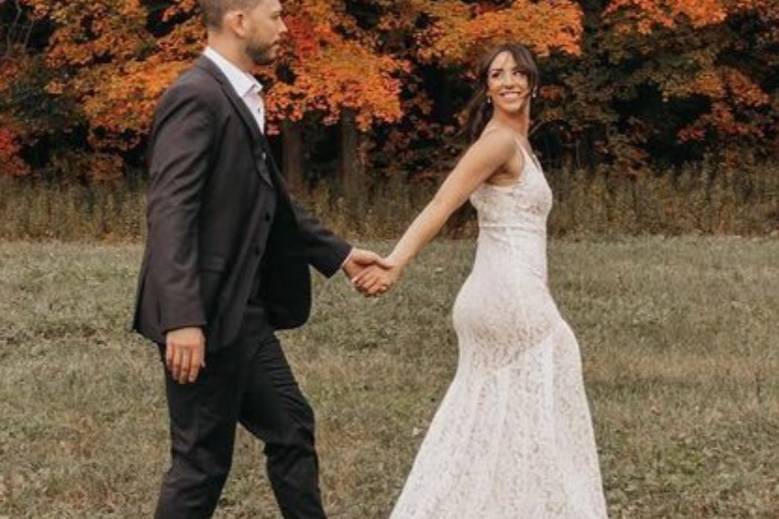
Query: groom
x=227, y=263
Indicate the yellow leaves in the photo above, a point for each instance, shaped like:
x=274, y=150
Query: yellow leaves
x=90, y=31
x=332, y=72
x=459, y=33
x=122, y=100
x=721, y=83
x=40, y=8
x=744, y=89
x=179, y=7
x=644, y=16
x=730, y=91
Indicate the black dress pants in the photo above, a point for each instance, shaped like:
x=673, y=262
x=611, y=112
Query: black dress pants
x=248, y=382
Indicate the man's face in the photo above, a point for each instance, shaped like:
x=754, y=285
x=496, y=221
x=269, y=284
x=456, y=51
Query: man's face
x=265, y=28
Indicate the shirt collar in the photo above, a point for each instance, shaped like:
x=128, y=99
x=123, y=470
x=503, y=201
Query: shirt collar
x=242, y=82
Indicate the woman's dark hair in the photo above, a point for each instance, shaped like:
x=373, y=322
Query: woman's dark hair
x=479, y=111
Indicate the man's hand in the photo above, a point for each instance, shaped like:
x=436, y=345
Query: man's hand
x=359, y=260
x=376, y=280
x=185, y=353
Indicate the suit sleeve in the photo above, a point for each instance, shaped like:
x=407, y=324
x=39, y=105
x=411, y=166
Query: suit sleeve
x=179, y=165
x=326, y=251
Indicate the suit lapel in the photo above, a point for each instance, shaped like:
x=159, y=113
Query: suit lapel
x=259, y=143
x=275, y=172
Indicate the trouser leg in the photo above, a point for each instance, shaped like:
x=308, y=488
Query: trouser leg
x=274, y=409
x=203, y=418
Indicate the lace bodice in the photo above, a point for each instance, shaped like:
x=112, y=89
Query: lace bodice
x=524, y=204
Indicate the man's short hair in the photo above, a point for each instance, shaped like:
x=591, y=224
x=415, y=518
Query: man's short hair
x=214, y=10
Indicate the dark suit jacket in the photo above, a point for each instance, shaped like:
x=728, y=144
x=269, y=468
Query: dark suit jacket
x=217, y=210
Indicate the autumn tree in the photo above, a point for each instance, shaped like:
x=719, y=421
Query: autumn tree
x=332, y=70
x=692, y=66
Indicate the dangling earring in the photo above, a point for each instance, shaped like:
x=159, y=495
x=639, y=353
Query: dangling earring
x=489, y=100
x=535, y=93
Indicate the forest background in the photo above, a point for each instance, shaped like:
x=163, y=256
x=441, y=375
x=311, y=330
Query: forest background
x=654, y=116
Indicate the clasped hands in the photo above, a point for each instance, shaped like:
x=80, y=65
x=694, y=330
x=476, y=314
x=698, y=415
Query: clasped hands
x=371, y=274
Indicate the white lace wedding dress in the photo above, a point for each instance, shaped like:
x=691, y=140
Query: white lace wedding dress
x=513, y=437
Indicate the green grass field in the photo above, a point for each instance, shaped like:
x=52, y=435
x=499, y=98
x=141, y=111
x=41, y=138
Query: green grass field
x=678, y=338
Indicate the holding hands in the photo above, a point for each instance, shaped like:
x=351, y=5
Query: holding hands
x=377, y=279
x=371, y=274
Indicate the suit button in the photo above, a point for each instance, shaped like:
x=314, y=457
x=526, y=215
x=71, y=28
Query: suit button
x=267, y=217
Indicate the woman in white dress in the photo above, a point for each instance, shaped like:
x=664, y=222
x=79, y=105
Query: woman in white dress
x=513, y=437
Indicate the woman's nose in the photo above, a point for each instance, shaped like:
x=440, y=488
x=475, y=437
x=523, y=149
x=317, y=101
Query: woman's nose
x=508, y=80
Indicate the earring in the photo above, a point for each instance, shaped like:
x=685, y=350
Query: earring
x=489, y=100
x=535, y=93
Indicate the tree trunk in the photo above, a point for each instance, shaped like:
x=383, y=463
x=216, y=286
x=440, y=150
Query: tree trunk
x=351, y=166
x=292, y=141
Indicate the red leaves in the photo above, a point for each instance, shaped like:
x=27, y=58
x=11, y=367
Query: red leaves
x=10, y=162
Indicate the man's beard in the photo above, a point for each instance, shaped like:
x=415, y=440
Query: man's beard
x=260, y=54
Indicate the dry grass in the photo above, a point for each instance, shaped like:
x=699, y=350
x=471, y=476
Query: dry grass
x=699, y=200
x=678, y=341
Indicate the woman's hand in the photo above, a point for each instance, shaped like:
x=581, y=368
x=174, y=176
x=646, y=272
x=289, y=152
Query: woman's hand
x=376, y=280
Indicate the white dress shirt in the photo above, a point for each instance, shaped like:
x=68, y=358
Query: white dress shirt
x=245, y=85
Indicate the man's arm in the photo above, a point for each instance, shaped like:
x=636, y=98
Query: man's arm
x=326, y=251
x=179, y=167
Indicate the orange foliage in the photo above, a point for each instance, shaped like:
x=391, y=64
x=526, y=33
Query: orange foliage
x=332, y=71
x=121, y=69
x=10, y=162
x=460, y=31
x=99, y=48
x=646, y=15
x=731, y=92
x=106, y=69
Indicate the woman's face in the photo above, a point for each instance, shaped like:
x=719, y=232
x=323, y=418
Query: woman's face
x=507, y=86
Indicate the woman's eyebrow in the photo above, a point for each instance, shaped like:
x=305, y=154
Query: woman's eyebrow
x=515, y=69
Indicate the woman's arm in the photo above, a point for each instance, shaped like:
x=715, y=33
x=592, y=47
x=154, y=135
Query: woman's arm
x=486, y=156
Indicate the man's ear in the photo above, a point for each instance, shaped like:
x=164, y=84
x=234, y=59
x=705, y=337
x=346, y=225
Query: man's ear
x=235, y=22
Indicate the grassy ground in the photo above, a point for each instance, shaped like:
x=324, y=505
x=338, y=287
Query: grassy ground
x=678, y=338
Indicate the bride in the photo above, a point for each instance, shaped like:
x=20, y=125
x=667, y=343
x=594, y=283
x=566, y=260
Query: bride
x=513, y=437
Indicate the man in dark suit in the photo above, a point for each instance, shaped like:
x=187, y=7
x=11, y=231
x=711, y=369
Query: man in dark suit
x=226, y=263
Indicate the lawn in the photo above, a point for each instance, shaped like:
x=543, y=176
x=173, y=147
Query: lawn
x=678, y=338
